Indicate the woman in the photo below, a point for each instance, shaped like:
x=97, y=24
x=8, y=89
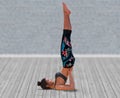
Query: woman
x=67, y=59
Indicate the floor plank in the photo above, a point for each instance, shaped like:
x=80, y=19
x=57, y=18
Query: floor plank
x=98, y=75
x=7, y=76
x=107, y=84
x=84, y=82
x=91, y=82
x=113, y=77
x=3, y=63
x=27, y=80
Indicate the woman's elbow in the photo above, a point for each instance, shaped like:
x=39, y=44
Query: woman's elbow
x=72, y=87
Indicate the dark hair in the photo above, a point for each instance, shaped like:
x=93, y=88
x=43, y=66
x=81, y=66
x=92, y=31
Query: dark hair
x=43, y=84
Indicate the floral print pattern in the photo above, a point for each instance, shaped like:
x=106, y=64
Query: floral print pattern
x=66, y=50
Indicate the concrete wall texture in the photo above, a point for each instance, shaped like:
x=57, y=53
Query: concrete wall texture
x=35, y=26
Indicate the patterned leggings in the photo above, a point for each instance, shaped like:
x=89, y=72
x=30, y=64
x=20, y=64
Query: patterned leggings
x=66, y=50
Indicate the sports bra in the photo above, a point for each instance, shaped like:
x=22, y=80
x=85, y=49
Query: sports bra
x=58, y=74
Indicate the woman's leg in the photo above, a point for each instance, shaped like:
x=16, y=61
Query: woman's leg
x=66, y=47
x=66, y=13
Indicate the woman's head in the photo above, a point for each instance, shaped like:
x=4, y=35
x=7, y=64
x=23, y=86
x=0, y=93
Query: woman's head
x=45, y=84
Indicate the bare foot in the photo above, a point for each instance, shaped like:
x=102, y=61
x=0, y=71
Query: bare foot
x=65, y=9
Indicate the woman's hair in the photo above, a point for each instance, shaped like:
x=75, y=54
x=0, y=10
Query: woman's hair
x=43, y=84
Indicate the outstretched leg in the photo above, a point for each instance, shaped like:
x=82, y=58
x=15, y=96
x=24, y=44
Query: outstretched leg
x=66, y=47
x=66, y=13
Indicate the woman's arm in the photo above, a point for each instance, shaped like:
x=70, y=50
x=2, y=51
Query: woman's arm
x=71, y=86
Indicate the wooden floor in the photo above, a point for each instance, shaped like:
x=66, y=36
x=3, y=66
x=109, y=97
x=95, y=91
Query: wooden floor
x=94, y=77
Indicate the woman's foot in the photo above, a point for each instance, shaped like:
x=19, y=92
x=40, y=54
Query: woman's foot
x=65, y=9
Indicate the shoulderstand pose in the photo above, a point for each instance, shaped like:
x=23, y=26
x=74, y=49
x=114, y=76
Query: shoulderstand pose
x=67, y=59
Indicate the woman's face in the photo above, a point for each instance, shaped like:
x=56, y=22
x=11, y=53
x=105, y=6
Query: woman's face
x=49, y=82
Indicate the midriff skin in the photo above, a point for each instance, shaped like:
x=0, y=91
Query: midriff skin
x=59, y=80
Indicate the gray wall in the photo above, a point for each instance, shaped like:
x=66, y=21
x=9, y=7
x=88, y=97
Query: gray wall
x=35, y=26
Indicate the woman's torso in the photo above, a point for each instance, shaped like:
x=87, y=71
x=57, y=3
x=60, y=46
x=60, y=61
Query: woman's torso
x=61, y=77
